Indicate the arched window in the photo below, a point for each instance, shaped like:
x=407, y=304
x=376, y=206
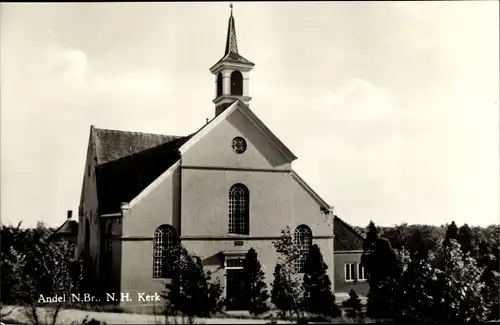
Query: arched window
x=303, y=240
x=165, y=238
x=238, y=210
x=219, y=84
x=236, y=83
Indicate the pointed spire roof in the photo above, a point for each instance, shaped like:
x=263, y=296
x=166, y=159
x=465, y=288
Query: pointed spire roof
x=231, y=43
x=231, y=54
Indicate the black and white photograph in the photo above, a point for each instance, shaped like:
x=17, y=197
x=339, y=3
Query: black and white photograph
x=250, y=162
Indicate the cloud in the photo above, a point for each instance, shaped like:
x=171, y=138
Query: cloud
x=358, y=99
x=70, y=65
x=70, y=70
x=152, y=82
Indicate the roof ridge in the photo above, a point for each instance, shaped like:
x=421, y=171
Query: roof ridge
x=137, y=132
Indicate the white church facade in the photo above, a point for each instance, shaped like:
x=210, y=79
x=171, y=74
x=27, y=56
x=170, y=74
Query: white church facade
x=219, y=191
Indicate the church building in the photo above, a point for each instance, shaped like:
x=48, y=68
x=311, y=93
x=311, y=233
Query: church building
x=221, y=190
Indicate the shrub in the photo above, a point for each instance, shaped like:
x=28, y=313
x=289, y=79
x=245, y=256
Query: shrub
x=92, y=321
x=191, y=290
x=46, y=272
x=353, y=304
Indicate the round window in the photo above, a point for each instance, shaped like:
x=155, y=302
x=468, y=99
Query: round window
x=239, y=145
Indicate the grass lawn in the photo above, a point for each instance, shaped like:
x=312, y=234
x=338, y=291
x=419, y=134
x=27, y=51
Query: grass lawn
x=16, y=315
x=69, y=316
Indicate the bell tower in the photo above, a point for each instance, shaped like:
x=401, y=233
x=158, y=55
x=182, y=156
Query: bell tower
x=231, y=73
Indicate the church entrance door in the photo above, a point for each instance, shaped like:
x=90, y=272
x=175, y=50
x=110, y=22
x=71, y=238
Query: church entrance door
x=234, y=283
x=234, y=289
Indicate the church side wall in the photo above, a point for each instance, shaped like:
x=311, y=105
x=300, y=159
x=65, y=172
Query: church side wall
x=140, y=221
x=88, y=211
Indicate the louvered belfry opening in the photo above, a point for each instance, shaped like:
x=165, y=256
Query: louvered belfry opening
x=236, y=83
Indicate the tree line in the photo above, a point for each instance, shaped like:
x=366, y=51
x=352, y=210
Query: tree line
x=425, y=273
x=424, y=276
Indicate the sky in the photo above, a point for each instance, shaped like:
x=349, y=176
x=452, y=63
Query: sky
x=392, y=108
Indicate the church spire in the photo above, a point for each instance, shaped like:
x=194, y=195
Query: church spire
x=232, y=78
x=231, y=43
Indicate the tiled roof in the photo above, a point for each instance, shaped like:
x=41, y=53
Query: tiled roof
x=346, y=238
x=111, y=145
x=128, y=162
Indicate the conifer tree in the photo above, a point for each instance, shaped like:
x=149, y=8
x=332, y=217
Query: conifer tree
x=382, y=267
x=371, y=236
x=280, y=296
x=451, y=233
x=254, y=287
x=465, y=238
x=318, y=296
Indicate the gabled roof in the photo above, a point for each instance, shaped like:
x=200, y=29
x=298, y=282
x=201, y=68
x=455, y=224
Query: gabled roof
x=245, y=110
x=111, y=145
x=346, y=238
x=128, y=162
x=67, y=229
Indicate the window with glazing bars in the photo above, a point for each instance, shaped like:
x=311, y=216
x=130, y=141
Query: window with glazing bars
x=361, y=273
x=165, y=238
x=238, y=210
x=349, y=272
x=234, y=263
x=303, y=241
